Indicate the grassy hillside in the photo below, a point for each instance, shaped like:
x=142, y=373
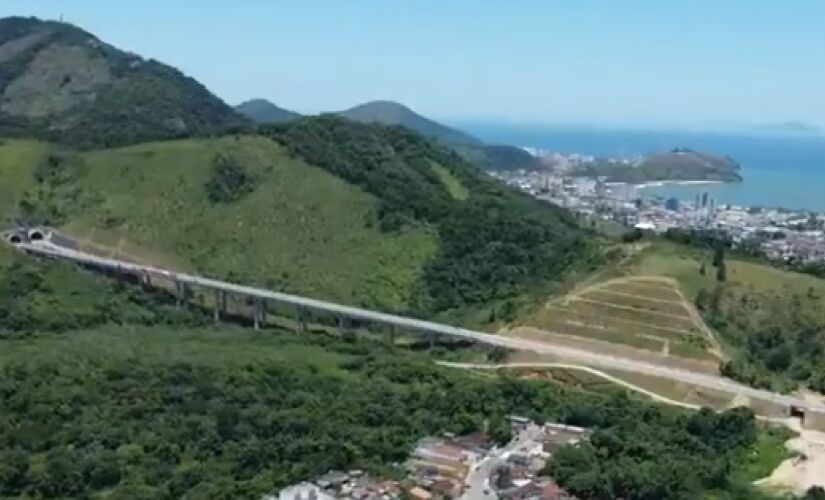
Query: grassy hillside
x=299, y=229
x=771, y=321
x=61, y=83
x=495, y=242
x=367, y=215
x=17, y=161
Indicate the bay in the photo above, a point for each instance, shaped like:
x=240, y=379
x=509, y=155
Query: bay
x=778, y=171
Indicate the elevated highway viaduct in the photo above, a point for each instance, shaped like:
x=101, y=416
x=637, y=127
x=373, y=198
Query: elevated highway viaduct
x=44, y=243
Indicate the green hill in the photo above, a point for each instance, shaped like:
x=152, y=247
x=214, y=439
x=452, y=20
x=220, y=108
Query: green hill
x=487, y=156
x=263, y=111
x=676, y=165
x=393, y=113
x=770, y=321
x=363, y=214
x=58, y=82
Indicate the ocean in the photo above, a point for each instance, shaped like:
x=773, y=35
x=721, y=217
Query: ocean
x=787, y=171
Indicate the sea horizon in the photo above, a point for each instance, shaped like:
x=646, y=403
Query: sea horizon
x=779, y=171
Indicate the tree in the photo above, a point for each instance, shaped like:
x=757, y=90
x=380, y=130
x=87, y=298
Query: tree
x=229, y=181
x=814, y=493
x=497, y=354
x=504, y=477
x=719, y=256
x=721, y=272
x=702, y=299
x=500, y=430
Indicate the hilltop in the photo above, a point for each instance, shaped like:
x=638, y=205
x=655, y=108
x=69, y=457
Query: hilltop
x=58, y=82
x=264, y=112
x=677, y=165
x=487, y=156
x=393, y=113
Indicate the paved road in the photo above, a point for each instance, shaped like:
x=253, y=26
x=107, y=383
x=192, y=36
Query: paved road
x=478, y=480
x=570, y=354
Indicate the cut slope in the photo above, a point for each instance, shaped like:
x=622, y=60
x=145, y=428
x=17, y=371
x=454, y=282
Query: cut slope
x=770, y=321
x=60, y=82
x=645, y=312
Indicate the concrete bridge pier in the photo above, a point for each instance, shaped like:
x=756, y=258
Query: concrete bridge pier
x=220, y=305
x=180, y=293
x=300, y=321
x=258, y=313
x=390, y=337
x=344, y=324
x=145, y=281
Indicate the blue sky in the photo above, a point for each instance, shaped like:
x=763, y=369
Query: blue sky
x=668, y=63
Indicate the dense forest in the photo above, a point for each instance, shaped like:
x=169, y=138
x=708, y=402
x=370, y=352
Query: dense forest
x=94, y=402
x=155, y=427
x=494, y=244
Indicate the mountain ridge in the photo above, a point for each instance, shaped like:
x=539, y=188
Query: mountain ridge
x=394, y=113
x=487, y=156
x=264, y=111
x=61, y=83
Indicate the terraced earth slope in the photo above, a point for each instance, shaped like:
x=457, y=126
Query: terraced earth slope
x=637, y=316
x=768, y=323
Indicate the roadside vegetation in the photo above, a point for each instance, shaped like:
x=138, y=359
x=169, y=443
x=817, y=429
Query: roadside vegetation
x=771, y=321
x=125, y=398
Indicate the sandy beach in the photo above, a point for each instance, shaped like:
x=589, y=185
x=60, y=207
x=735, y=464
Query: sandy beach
x=676, y=183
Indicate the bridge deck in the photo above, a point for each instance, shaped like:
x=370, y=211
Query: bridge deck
x=48, y=249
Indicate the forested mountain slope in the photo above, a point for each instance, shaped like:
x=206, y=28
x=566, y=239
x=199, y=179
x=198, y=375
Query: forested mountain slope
x=487, y=156
x=393, y=113
x=61, y=83
x=263, y=111
x=365, y=214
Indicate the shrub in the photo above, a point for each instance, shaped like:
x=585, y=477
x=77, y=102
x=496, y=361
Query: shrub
x=229, y=181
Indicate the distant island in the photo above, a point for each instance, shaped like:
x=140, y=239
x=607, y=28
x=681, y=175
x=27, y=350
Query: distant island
x=790, y=128
x=679, y=164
